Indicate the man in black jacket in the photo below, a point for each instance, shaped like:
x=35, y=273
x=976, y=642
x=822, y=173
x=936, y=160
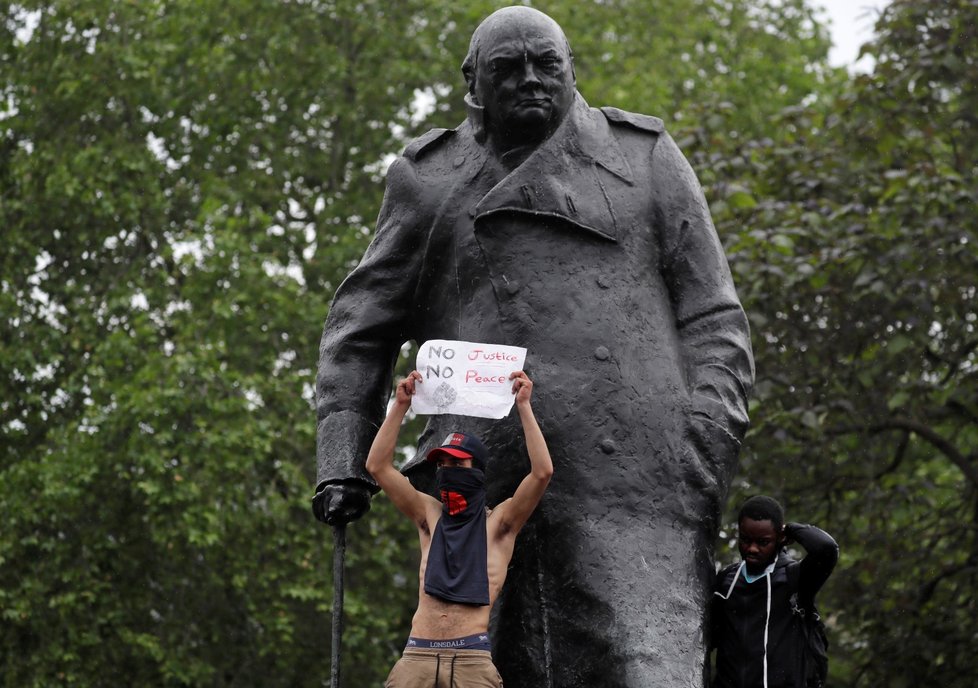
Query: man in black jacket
x=756, y=627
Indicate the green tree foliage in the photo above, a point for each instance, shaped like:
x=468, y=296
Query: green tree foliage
x=183, y=185
x=852, y=235
x=673, y=58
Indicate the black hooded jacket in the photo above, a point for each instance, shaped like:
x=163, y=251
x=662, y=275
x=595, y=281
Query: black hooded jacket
x=741, y=616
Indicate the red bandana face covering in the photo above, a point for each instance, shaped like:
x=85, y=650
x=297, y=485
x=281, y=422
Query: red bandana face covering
x=457, y=569
x=453, y=501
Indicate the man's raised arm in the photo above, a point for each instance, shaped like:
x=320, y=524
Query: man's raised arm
x=517, y=510
x=380, y=460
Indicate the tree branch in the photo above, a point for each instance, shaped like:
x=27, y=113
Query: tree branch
x=953, y=365
x=927, y=590
x=924, y=432
x=897, y=458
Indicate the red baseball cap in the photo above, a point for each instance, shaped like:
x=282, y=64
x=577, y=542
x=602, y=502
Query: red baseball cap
x=462, y=446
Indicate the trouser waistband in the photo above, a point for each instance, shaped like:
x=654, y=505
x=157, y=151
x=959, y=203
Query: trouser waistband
x=478, y=641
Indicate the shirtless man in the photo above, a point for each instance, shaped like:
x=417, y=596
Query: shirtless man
x=465, y=548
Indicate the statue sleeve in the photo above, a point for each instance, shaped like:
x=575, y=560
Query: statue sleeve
x=368, y=322
x=712, y=325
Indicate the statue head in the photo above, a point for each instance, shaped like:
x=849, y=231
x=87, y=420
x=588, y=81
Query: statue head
x=520, y=70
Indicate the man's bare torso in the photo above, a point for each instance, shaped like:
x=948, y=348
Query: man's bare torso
x=437, y=619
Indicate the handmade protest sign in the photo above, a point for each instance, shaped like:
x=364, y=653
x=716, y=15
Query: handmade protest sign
x=466, y=378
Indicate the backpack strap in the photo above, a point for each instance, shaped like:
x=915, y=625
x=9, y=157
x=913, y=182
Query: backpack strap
x=802, y=606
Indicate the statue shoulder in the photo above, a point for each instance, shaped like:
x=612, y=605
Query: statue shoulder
x=427, y=142
x=647, y=123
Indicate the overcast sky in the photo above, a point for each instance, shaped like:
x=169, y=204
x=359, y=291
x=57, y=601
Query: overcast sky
x=851, y=23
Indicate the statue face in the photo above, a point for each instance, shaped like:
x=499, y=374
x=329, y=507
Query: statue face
x=524, y=80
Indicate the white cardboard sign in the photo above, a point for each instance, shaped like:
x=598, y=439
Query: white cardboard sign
x=466, y=378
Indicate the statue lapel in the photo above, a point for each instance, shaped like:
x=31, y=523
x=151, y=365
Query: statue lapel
x=562, y=178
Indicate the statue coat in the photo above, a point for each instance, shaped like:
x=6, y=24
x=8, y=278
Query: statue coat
x=598, y=255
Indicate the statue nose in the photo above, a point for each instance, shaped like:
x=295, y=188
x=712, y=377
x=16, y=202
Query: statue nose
x=529, y=74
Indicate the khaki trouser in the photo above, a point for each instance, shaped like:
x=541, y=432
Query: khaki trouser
x=424, y=668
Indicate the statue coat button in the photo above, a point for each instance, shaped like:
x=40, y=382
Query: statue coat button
x=512, y=288
x=602, y=353
x=608, y=446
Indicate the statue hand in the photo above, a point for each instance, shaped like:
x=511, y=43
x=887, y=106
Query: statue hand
x=341, y=503
x=713, y=454
x=714, y=444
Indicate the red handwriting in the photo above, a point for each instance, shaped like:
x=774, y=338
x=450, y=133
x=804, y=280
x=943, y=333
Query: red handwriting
x=479, y=354
x=482, y=379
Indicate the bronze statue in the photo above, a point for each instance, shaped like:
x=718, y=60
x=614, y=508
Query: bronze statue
x=581, y=234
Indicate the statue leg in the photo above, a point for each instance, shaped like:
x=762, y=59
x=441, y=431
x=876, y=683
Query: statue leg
x=612, y=599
